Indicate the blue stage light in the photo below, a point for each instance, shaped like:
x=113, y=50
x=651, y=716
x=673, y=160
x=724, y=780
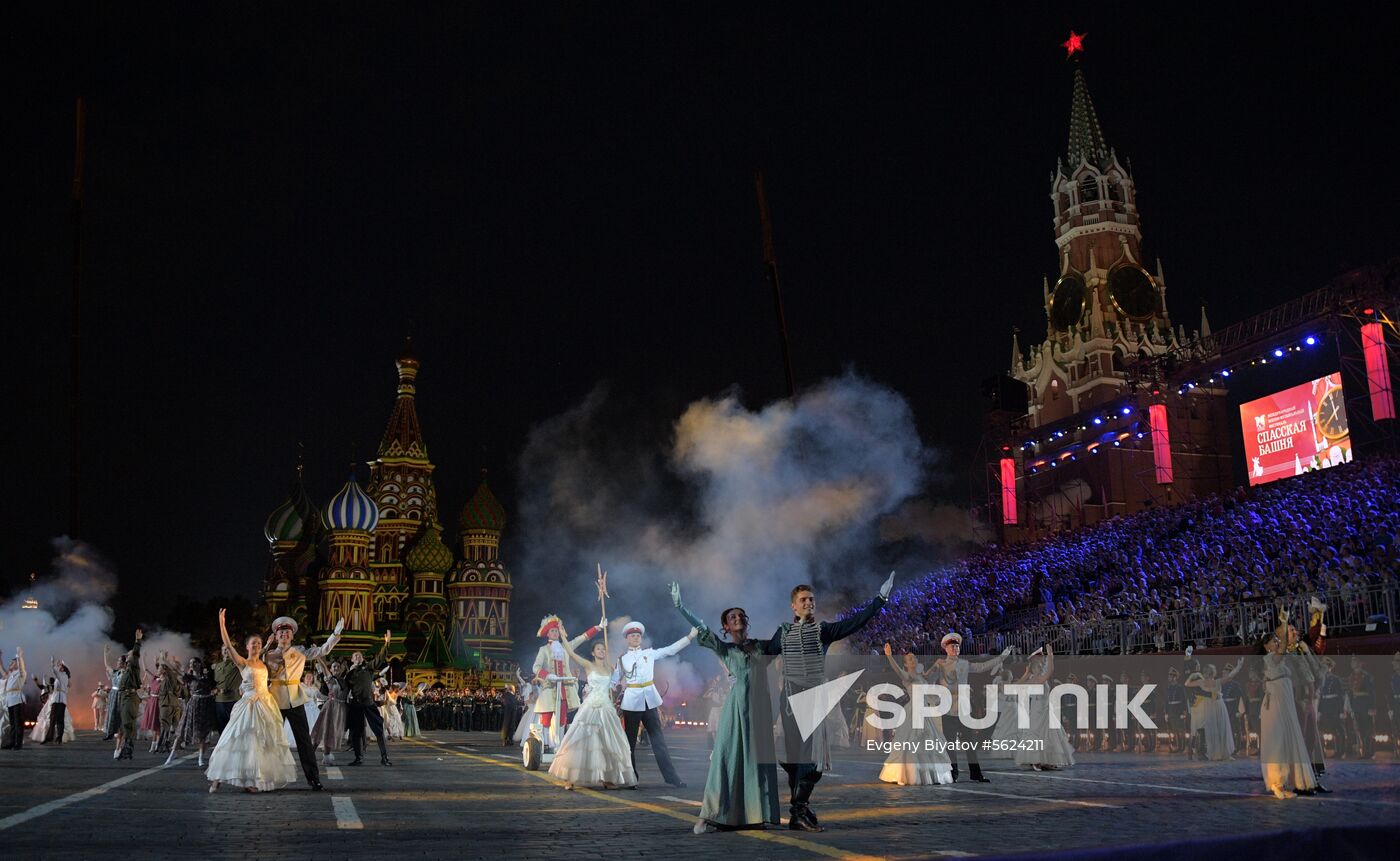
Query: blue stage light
x=1098, y=420
x=1278, y=354
x=1127, y=411
x=1225, y=373
x=1310, y=340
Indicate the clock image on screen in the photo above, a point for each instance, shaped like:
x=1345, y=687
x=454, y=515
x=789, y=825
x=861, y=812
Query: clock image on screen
x=1331, y=415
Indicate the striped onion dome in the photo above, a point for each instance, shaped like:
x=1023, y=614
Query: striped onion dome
x=284, y=523
x=483, y=511
x=351, y=508
x=428, y=554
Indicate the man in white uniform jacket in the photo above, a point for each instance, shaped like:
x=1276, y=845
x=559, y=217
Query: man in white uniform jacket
x=641, y=699
x=285, y=665
x=59, y=698
x=14, y=702
x=551, y=670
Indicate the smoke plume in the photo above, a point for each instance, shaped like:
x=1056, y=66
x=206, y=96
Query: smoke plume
x=737, y=505
x=72, y=623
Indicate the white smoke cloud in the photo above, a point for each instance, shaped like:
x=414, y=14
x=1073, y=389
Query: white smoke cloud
x=72, y=624
x=738, y=506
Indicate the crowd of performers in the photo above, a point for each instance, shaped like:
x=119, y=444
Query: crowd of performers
x=1283, y=710
x=594, y=737
x=249, y=710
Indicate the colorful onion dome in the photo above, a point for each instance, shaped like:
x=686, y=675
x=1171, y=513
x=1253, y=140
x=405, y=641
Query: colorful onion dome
x=428, y=554
x=351, y=508
x=483, y=511
x=284, y=524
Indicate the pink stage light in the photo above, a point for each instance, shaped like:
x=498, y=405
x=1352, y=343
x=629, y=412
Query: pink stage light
x=1377, y=371
x=1161, y=443
x=1008, y=491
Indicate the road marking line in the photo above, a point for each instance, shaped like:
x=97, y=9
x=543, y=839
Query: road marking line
x=681, y=800
x=1192, y=789
x=59, y=803
x=334, y=773
x=345, y=816
x=1031, y=797
x=769, y=837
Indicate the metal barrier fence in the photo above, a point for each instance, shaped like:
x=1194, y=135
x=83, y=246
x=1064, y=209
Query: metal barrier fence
x=1349, y=610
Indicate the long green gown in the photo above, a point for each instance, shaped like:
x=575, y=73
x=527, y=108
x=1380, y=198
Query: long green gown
x=741, y=790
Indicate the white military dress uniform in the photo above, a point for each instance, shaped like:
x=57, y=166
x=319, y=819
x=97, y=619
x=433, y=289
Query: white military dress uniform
x=640, y=699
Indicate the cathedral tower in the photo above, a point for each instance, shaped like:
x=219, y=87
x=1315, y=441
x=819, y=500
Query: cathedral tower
x=401, y=484
x=479, y=587
x=292, y=530
x=346, y=585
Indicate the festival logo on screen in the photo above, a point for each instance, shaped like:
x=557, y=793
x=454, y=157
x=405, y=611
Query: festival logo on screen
x=1296, y=430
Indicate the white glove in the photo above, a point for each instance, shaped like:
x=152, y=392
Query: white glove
x=551, y=678
x=1189, y=650
x=340, y=626
x=1006, y=651
x=887, y=587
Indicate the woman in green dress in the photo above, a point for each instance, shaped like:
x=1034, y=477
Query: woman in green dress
x=741, y=790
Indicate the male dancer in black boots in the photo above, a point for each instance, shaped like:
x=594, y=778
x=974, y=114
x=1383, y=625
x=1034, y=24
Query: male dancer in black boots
x=951, y=671
x=359, y=681
x=285, y=665
x=803, y=643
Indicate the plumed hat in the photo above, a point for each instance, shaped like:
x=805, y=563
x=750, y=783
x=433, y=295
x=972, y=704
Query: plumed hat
x=550, y=621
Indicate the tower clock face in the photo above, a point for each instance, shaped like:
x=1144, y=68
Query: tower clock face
x=1067, y=302
x=1133, y=292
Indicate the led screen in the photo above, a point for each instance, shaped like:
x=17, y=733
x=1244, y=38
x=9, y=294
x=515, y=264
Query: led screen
x=1296, y=430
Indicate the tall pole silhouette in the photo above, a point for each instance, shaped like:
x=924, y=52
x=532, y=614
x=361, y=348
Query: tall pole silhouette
x=770, y=268
x=75, y=328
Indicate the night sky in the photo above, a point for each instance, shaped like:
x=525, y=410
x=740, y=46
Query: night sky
x=554, y=198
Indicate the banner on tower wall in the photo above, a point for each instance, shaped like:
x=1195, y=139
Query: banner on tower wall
x=1296, y=430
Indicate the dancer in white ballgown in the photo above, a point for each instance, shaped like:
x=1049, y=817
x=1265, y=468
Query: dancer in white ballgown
x=252, y=753
x=41, y=723
x=1220, y=740
x=1055, y=750
x=594, y=750
x=314, y=700
x=393, y=718
x=1283, y=754
x=1008, y=727
x=920, y=755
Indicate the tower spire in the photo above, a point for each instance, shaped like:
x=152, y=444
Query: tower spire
x=403, y=437
x=1085, y=137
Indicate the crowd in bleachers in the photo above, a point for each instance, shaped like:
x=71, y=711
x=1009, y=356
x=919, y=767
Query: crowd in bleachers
x=1333, y=531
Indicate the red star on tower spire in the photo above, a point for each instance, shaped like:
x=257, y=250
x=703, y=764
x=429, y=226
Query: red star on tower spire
x=1075, y=42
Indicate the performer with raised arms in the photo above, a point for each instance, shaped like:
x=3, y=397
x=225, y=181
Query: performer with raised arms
x=803, y=643
x=640, y=699
x=552, y=674
x=285, y=664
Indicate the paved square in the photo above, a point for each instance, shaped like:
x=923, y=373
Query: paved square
x=461, y=795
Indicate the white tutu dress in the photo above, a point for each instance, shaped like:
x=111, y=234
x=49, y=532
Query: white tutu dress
x=252, y=752
x=594, y=750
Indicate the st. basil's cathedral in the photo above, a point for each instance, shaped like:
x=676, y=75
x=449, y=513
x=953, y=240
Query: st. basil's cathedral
x=376, y=556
